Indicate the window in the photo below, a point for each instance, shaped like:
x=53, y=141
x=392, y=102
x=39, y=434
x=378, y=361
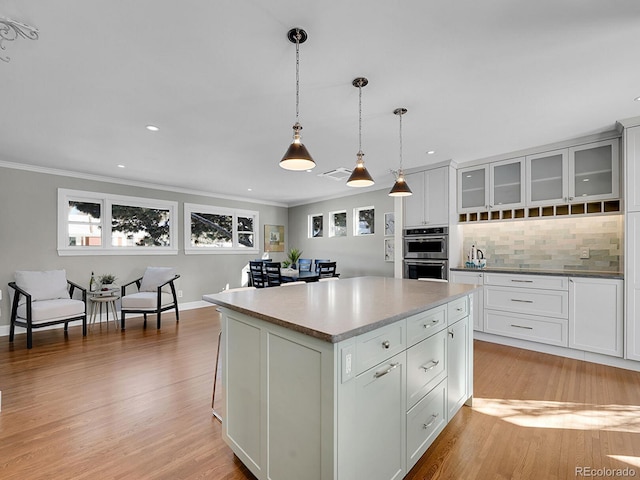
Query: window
x=91, y=223
x=315, y=225
x=338, y=224
x=210, y=229
x=363, y=221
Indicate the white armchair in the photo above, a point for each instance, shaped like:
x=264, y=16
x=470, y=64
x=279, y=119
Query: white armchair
x=156, y=294
x=41, y=299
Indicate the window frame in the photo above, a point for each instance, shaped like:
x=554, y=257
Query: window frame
x=310, y=225
x=332, y=224
x=356, y=221
x=106, y=201
x=190, y=208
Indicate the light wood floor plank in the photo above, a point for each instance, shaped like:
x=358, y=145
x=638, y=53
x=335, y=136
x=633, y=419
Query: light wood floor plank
x=136, y=405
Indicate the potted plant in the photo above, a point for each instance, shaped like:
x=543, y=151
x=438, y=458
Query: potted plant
x=293, y=256
x=106, y=280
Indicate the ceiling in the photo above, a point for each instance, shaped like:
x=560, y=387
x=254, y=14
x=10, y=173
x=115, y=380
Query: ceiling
x=218, y=79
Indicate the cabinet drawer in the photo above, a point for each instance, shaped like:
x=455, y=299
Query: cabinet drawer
x=425, y=421
x=527, y=281
x=530, y=301
x=425, y=324
x=376, y=346
x=426, y=366
x=457, y=309
x=527, y=327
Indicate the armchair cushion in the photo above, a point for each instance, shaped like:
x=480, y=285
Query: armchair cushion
x=145, y=300
x=48, y=285
x=51, y=310
x=156, y=276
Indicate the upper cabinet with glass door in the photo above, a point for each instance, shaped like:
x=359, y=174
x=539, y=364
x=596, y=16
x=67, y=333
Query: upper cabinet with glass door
x=473, y=188
x=507, y=180
x=547, y=178
x=594, y=171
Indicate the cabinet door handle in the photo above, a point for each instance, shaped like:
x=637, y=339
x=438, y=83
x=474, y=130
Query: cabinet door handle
x=521, y=301
x=384, y=372
x=429, y=325
x=386, y=344
x=460, y=309
x=522, y=281
x=521, y=326
x=434, y=364
x=451, y=333
x=433, y=419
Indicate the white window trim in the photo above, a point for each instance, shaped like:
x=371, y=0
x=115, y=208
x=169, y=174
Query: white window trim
x=356, y=221
x=235, y=213
x=310, y=225
x=106, y=200
x=332, y=225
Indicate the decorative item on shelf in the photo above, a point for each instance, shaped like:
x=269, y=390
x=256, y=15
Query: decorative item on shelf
x=400, y=188
x=10, y=30
x=106, y=281
x=293, y=256
x=360, y=176
x=93, y=285
x=297, y=157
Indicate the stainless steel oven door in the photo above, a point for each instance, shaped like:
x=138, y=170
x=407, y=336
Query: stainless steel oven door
x=415, y=269
x=427, y=247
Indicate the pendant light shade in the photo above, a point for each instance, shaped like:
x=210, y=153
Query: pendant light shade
x=400, y=188
x=360, y=176
x=297, y=157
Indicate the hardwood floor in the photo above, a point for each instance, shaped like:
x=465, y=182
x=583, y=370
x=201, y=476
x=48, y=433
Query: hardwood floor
x=136, y=405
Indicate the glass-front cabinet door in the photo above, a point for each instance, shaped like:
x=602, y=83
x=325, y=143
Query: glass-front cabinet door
x=594, y=171
x=547, y=175
x=473, y=188
x=507, y=183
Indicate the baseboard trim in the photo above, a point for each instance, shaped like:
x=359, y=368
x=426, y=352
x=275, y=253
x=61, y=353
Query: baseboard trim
x=4, y=329
x=559, y=351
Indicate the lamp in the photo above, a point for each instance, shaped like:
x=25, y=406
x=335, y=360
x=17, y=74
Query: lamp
x=400, y=188
x=10, y=30
x=297, y=157
x=360, y=176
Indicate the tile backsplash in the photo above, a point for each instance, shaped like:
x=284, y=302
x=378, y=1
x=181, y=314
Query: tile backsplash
x=552, y=244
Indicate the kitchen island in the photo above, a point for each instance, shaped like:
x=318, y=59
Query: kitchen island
x=342, y=380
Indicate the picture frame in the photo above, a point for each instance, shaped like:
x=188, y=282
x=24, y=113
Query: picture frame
x=389, y=224
x=364, y=221
x=389, y=249
x=274, y=238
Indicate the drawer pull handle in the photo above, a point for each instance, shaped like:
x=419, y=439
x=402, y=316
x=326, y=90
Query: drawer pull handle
x=434, y=364
x=429, y=325
x=522, y=281
x=521, y=301
x=433, y=419
x=460, y=309
x=386, y=344
x=521, y=326
x=384, y=372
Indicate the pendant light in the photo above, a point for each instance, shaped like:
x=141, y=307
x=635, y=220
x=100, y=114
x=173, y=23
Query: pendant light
x=400, y=188
x=297, y=157
x=360, y=176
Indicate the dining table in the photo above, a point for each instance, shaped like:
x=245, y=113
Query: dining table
x=294, y=275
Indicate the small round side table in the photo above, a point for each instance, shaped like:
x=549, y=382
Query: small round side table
x=108, y=298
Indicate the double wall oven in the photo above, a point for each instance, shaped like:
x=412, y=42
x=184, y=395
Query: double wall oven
x=426, y=253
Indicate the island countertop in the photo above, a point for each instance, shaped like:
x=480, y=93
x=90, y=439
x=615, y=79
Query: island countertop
x=335, y=311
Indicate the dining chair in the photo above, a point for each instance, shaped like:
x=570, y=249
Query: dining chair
x=304, y=264
x=272, y=272
x=318, y=261
x=326, y=269
x=43, y=298
x=256, y=271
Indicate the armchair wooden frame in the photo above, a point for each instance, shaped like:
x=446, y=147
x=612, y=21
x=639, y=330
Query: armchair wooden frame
x=28, y=322
x=159, y=308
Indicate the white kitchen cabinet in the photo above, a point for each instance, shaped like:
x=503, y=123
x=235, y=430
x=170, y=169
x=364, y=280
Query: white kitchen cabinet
x=458, y=365
x=473, y=189
x=429, y=204
x=632, y=282
x=473, y=278
x=547, y=177
x=596, y=316
x=594, y=171
x=507, y=181
x=632, y=174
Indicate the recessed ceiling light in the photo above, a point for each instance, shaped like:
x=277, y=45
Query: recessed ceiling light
x=431, y=152
x=152, y=128
x=120, y=166
x=637, y=99
x=250, y=189
x=585, y=179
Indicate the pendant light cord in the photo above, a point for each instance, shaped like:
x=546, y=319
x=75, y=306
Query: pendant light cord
x=400, y=143
x=297, y=75
x=360, y=119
